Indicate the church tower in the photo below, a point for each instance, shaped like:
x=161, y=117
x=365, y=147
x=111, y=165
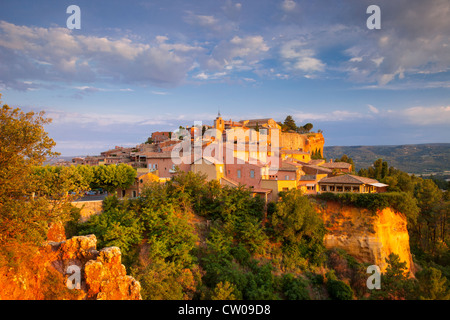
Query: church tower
x=219, y=124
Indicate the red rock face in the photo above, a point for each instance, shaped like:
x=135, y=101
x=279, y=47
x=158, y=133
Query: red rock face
x=369, y=237
x=42, y=273
x=103, y=276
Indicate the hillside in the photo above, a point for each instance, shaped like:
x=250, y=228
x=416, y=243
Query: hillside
x=413, y=158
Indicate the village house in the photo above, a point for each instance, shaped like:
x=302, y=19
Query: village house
x=341, y=167
x=351, y=183
x=136, y=188
x=160, y=136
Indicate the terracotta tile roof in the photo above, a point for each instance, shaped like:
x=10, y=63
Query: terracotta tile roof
x=348, y=179
x=336, y=165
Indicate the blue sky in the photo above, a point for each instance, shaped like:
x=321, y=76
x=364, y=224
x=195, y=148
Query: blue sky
x=136, y=67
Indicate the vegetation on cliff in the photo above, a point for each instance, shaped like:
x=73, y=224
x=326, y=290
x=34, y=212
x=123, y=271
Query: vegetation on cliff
x=192, y=239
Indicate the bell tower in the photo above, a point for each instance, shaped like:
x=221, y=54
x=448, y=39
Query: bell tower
x=219, y=124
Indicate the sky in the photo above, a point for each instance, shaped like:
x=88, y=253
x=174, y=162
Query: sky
x=135, y=67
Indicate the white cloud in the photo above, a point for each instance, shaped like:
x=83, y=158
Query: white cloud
x=238, y=53
x=373, y=109
x=66, y=56
x=297, y=57
x=423, y=116
x=288, y=5
x=336, y=115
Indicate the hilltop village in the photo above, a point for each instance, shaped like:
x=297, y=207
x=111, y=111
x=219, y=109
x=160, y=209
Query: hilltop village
x=299, y=165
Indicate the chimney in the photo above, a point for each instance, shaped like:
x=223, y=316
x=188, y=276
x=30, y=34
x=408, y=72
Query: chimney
x=331, y=160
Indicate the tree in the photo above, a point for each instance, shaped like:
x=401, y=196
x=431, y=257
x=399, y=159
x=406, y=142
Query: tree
x=395, y=284
x=223, y=291
x=112, y=177
x=298, y=226
x=149, y=140
x=308, y=127
x=289, y=124
x=432, y=285
x=24, y=144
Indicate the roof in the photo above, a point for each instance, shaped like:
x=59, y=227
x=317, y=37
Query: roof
x=154, y=155
x=348, y=179
x=255, y=121
x=316, y=161
x=293, y=152
x=266, y=191
x=308, y=177
x=336, y=165
x=228, y=180
x=317, y=168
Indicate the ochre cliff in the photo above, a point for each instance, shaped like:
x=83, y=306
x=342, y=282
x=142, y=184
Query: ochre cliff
x=369, y=237
x=44, y=273
x=307, y=142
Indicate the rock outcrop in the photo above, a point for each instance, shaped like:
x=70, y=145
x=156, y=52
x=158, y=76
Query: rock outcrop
x=367, y=236
x=103, y=276
x=51, y=271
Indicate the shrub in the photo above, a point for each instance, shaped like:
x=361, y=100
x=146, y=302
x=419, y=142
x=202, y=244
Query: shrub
x=339, y=290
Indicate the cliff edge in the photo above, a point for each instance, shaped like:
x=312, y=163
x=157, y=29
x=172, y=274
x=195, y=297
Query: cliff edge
x=71, y=269
x=368, y=237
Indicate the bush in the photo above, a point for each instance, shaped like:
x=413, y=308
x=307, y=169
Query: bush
x=339, y=290
x=294, y=288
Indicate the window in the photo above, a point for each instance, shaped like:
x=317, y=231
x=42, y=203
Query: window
x=134, y=194
x=324, y=188
x=239, y=173
x=123, y=193
x=286, y=177
x=339, y=188
x=221, y=169
x=285, y=189
x=252, y=173
x=347, y=189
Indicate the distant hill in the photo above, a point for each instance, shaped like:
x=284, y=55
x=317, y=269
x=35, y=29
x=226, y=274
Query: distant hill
x=412, y=158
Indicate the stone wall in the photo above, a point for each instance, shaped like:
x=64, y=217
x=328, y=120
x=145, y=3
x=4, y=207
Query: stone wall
x=306, y=142
x=88, y=208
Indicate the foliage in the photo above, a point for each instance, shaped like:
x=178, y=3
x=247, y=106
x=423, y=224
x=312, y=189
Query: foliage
x=400, y=201
x=294, y=288
x=395, y=284
x=25, y=212
x=113, y=177
x=223, y=291
x=118, y=225
x=339, y=290
x=289, y=124
x=432, y=285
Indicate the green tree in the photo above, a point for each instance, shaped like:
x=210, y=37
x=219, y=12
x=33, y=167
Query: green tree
x=24, y=144
x=294, y=288
x=296, y=222
x=308, y=127
x=395, y=284
x=339, y=290
x=289, y=124
x=432, y=285
x=223, y=291
x=112, y=177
